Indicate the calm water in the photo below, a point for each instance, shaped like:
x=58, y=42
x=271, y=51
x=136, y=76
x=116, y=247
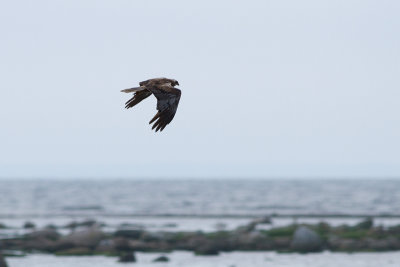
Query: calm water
x=237, y=259
x=147, y=203
x=207, y=197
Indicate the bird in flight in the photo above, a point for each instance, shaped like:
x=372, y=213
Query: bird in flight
x=167, y=99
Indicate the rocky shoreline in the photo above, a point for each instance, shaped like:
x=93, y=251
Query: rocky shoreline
x=88, y=238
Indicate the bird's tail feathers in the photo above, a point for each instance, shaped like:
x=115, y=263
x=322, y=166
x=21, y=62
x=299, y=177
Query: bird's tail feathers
x=134, y=89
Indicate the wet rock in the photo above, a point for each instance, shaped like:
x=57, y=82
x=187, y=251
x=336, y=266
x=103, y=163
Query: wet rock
x=207, y=250
x=51, y=226
x=86, y=238
x=106, y=247
x=247, y=228
x=127, y=257
x=29, y=225
x=3, y=262
x=161, y=259
x=306, y=240
x=170, y=225
x=252, y=241
x=78, y=251
x=220, y=226
x=264, y=220
x=365, y=224
x=87, y=223
x=49, y=234
x=281, y=243
x=152, y=236
x=389, y=243
x=122, y=244
x=129, y=233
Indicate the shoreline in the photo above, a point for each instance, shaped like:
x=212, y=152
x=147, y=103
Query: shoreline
x=90, y=238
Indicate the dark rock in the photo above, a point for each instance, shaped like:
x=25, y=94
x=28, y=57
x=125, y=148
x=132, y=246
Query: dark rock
x=264, y=220
x=389, y=243
x=87, y=223
x=251, y=241
x=77, y=251
x=127, y=257
x=247, y=228
x=170, y=225
x=106, y=247
x=50, y=234
x=365, y=224
x=281, y=242
x=122, y=244
x=306, y=240
x=3, y=226
x=207, y=250
x=51, y=226
x=3, y=262
x=29, y=225
x=161, y=259
x=152, y=236
x=129, y=233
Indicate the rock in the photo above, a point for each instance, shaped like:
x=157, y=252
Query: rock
x=252, y=241
x=122, y=244
x=3, y=262
x=306, y=240
x=106, y=247
x=127, y=257
x=365, y=224
x=78, y=251
x=87, y=223
x=161, y=259
x=247, y=228
x=207, y=250
x=264, y=220
x=129, y=233
x=49, y=234
x=86, y=238
x=29, y=225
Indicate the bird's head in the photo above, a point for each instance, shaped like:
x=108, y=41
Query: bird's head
x=174, y=83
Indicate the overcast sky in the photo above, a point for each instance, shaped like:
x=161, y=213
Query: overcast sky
x=269, y=88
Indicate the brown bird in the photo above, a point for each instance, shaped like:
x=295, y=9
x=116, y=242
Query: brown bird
x=167, y=99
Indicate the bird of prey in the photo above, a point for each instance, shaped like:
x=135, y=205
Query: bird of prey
x=167, y=99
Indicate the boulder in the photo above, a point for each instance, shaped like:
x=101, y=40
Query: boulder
x=77, y=251
x=161, y=259
x=366, y=224
x=207, y=250
x=264, y=220
x=306, y=240
x=29, y=225
x=129, y=233
x=49, y=234
x=86, y=238
x=127, y=257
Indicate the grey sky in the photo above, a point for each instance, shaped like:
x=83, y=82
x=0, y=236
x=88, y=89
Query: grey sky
x=269, y=88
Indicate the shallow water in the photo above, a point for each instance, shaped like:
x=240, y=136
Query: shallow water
x=187, y=206
x=237, y=259
x=199, y=197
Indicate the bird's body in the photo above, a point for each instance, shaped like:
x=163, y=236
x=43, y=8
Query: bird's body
x=167, y=99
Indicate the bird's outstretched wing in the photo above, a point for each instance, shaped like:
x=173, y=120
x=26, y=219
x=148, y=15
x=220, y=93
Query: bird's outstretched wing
x=167, y=103
x=137, y=98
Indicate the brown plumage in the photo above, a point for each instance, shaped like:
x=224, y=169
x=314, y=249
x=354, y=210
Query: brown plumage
x=167, y=99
